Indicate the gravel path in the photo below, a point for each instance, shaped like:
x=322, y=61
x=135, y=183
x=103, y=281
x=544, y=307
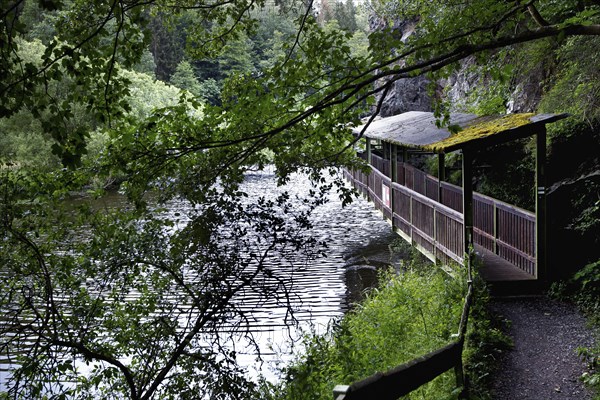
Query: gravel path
x=543, y=363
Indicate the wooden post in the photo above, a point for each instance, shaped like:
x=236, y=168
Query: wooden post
x=467, y=178
x=441, y=174
x=410, y=216
x=394, y=164
x=435, y=241
x=460, y=378
x=496, y=231
x=369, y=161
x=394, y=178
x=405, y=161
x=340, y=391
x=540, y=204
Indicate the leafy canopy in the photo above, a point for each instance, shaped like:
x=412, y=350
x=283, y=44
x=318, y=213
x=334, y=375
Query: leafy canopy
x=68, y=299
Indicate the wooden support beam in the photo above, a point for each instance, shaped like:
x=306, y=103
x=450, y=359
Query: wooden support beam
x=394, y=164
x=369, y=151
x=467, y=178
x=393, y=177
x=405, y=161
x=441, y=174
x=540, y=204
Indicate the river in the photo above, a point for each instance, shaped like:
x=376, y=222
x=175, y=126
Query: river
x=358, y=244
x=358, y=241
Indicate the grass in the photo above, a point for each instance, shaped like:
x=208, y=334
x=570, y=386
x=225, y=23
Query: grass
x=414, y=312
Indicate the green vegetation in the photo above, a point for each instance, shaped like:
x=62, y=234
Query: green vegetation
x=415, y=311
x=88, y=98
x=584, y=289
x=481, y=130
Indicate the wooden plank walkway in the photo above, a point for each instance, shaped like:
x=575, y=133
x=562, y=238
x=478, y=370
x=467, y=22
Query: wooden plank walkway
x=437, y=229
x=496, y=269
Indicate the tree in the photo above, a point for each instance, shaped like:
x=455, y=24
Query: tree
x=237, y=57
x=184, y=78
x=69, y=297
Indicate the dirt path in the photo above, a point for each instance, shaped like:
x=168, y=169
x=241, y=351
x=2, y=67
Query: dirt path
x=543, y=363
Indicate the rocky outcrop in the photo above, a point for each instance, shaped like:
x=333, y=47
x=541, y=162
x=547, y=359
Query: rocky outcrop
x=460, y=89
x=406, y=94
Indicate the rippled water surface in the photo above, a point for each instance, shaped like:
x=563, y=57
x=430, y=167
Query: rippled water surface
x=323, y=289
x=358, y=243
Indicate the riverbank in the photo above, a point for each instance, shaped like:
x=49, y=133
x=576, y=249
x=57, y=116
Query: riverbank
x=415, y=310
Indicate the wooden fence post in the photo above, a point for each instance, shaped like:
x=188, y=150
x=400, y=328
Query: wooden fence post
x=540, y=203
x=496, y=230
x=339, y=392
x=441, y=174
x=467, y=178
x=460, y=378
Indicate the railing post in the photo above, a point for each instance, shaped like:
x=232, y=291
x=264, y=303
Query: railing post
x=460, y=378
x=405, y=162
x=393, y=178
x=425, y=184
x=410, y=215
x=340, y=391
x=394, y=165
x=496, y=227
x=441, y=174
x=540, y=203
x=467, y=177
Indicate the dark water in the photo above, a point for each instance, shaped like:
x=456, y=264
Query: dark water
x=358, y=245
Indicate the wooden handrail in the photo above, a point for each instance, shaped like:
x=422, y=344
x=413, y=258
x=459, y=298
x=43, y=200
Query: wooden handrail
x=404, y=378
x=457, y=189
x=510, y=236
x=407, y=377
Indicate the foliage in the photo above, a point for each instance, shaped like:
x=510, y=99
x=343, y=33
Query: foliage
x=485, y=343
x=293, y=109
x=94, y=290
x=22, y=143
x=585, y=286
x=414, y=312
x=185, y=78
x=589, y=219
x=584, y=289
x=577, y=79
x=147, y=94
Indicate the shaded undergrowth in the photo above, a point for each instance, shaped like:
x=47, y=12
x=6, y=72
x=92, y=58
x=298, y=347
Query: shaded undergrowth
x=415, y=310
x=584, y=289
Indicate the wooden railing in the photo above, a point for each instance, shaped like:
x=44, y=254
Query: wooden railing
x=407, y=377
x=435, y=225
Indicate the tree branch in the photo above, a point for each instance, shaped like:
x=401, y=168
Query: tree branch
x=537, y=17
x=94, y=355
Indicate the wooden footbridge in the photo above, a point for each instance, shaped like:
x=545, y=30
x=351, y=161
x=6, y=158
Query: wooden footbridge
x=429, y=212
x=449, y=223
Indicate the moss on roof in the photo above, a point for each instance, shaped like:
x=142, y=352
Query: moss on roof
x=481, y=129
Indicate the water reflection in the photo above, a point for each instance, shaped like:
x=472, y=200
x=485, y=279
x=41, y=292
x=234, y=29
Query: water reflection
x=358, y=246
x=358, y=241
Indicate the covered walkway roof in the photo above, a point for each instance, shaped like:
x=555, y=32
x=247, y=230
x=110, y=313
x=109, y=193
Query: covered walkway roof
x=418, y=129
